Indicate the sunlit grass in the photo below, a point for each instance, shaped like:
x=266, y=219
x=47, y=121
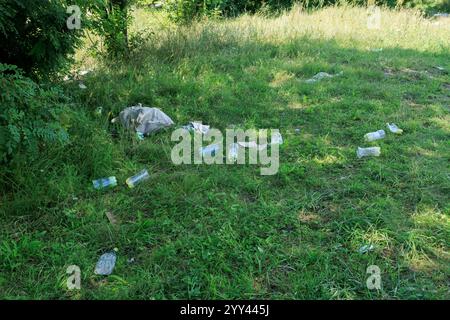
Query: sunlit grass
x=226, y=232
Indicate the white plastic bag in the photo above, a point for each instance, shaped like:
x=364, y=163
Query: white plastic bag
x=144, y=120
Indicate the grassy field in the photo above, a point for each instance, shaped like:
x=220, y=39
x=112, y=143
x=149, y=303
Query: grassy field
x=224, y=231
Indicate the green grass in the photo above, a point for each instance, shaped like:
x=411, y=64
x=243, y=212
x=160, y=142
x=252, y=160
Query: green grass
x=226, y=232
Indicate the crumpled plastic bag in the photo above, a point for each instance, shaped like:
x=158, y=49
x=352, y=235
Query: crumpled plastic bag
x=144, y=120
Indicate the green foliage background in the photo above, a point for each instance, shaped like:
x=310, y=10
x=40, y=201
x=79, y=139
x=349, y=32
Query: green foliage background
x=35, y=37
x=30, y=115
x=185, y=10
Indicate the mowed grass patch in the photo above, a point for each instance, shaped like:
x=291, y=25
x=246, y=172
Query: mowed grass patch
x=226, y=232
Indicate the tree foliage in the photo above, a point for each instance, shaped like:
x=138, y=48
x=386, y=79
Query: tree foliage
x=30, y=115
x=34, y=35
x=186, y=10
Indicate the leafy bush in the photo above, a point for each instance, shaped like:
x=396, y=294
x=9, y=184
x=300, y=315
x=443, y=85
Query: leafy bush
x=186, y=10
x=430, y=5
x=110, y=21
x=34, y=35
x=29, y=115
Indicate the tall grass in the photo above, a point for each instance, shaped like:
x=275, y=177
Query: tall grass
x=402, y=28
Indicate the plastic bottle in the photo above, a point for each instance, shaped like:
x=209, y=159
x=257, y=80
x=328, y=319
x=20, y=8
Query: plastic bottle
x=134, y=180
x=211, y=150
x=366, y=152
x=233, y=152
x=104, y=183
x=372, y=136
x=393, y=128
x=277, y=138
x=106, y=263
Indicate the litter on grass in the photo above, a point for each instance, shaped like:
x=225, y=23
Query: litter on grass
x=210, y=150
x=233, y=152
x=277, y=138
x=440, y=68
x=84, y=72
x=441, y=15
x=366, y=248
x=82, y=86
x=140, y=136
x=393, y=128
x=367, y=152
x=112, y=219
x=323, y=75
x=106, y=263
x=104, y=183
x=252, y=144
x=372, y=136
x=197, y=127
x=138, y=178
x=143, y=119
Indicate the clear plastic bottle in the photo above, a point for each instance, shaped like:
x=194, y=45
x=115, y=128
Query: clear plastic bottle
x=134, y=180
x=233, y=152
x=277, y=138
x=393, y=128
x=372, y=136
x=106, y=263
x=366, y=152
x=104, y=183
x=211, y=150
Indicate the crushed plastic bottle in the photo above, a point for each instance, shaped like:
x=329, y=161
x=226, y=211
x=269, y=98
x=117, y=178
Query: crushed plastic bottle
x=211, y=150
x=197, y=127
x=233, y=152
x=104, y=183
x=393, y=128
x=106, y=263
x=277, y=138
x=366, y=248
x=252, y=144
x=366, y=152
x=134, y=180
x=323, y=75
x=372, y=136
